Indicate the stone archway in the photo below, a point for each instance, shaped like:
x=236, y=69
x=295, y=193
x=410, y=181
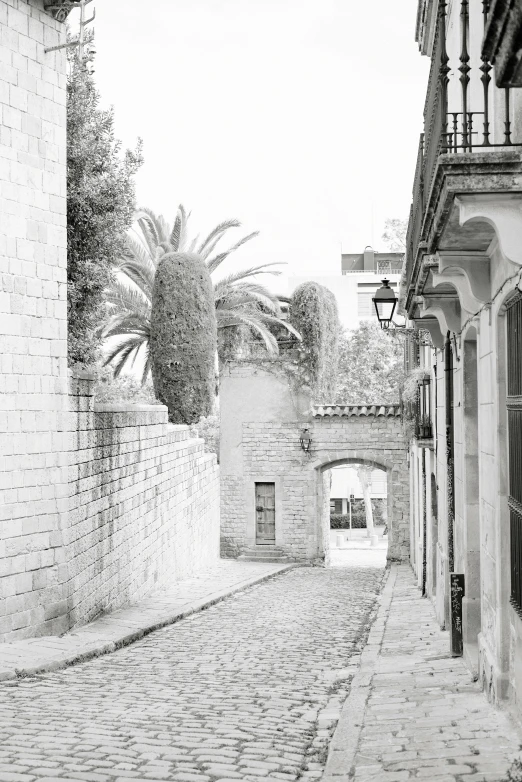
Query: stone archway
x=261, y=454
x=397, y=478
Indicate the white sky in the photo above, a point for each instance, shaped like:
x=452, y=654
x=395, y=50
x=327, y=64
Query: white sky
x=301, y=118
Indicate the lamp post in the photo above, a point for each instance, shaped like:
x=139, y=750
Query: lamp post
x=305, y=439
x=351, y=498
x=385, y=302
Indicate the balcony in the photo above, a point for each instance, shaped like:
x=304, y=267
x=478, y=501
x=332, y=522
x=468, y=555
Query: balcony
x=469, y=146
x=417, y=406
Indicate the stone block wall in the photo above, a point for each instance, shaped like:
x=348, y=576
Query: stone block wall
x=33, y=312
x=144, y=504
x=142, y=510
x=261, y=422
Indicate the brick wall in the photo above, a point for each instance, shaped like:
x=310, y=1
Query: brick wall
x=33, y=368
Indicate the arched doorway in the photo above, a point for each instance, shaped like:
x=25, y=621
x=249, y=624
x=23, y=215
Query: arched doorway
x=393, y=475
x=357, y=515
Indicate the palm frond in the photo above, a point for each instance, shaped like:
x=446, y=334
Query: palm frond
x=122, y=298
x=148, y=224
x=147, y=366
x=121, y=354
x=175, y=235
x=232, y=299
x=218, y=259
x=253, y=271
x=217, y=233
x=229, y=319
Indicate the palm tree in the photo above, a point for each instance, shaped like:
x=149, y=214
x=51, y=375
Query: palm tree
x=243, y=305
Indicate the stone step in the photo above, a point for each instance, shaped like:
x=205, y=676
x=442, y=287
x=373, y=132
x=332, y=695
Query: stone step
x=264, y=554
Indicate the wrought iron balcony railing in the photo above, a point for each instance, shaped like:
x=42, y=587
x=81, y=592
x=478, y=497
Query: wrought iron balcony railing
x=451, y=132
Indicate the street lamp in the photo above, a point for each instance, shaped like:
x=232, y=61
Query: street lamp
x=385, y=302
x=305, y=439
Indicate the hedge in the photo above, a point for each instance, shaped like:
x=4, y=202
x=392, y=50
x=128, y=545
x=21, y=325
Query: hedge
x=313, y=312
x=183, y=337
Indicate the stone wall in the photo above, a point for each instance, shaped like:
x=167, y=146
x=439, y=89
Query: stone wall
x=142, y=510
x=33, y=312
x=144, y=504
x=261, y=421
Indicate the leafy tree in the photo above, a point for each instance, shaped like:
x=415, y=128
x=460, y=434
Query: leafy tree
x=371, y=366
x=100, y=205
x=313, y=313
x=183, y=337
x=394, y=234
x=243, y=306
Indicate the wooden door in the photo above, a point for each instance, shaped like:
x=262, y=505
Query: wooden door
x=265, y=513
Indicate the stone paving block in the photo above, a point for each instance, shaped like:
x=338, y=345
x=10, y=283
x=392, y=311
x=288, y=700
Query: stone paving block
x=232, y=692
x=445, y=728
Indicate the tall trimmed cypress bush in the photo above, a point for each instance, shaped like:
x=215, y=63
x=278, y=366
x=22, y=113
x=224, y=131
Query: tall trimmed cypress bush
x=313, y=312
x=183, y=337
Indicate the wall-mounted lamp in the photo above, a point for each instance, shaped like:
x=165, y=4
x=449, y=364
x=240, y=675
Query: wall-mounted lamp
x=385, y=302
x=305, y=439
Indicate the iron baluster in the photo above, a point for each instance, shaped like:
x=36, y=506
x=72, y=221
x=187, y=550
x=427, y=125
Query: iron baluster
x=464, y=69
x=470, y=130
x=443, y=75
x=455, y=130
x=485, y=79
x=507, y=123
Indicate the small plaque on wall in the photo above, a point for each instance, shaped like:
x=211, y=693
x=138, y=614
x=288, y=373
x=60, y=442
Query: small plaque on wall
x=456, y=595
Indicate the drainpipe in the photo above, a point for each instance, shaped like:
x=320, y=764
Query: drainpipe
x=450, y=464
x=424, y=523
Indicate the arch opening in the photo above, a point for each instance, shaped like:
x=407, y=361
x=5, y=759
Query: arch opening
x=355, y=508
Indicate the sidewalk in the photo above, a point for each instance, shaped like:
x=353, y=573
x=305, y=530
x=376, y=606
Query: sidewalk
x=413, y=712
x=122, y=627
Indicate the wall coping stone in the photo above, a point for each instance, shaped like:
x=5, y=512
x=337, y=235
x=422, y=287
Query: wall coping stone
x=128, y=407
x=346, y=411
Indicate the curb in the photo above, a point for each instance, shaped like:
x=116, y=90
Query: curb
x=343, y=746
x=88, y=641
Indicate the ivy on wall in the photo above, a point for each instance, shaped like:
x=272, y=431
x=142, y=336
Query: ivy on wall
x=313, y=313
x=183, y=337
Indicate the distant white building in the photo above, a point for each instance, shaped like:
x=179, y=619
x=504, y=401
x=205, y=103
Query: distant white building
x=361, y=275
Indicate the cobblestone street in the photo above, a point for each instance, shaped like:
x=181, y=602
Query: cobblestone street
x=250, y=688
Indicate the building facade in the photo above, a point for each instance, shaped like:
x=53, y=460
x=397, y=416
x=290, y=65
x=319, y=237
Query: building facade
x=460, y=288
x=275, y=493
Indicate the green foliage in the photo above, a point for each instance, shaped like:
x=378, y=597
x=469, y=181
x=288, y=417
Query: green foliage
x=394, y=234
x=342, y=520
x=410, y=386
x=243, y=306
x=514, y=773
x=313, y=313
x=208, y=429
x=124, y=388
x=371, y=366
x=100, y=205
x=183, y=337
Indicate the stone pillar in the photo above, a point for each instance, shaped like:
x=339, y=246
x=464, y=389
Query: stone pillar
x=33, y=318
